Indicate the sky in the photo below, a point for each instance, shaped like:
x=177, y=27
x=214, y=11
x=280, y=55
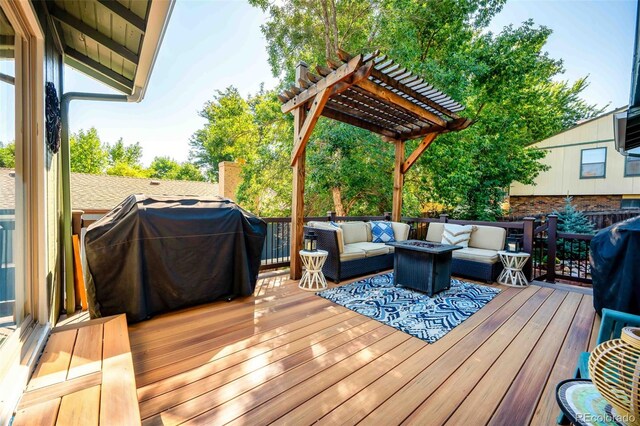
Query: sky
x=210, y=45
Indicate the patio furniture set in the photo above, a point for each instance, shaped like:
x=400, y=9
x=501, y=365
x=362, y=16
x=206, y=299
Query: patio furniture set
x=356, y=248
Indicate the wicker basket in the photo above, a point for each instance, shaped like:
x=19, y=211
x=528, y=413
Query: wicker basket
x=614, y=367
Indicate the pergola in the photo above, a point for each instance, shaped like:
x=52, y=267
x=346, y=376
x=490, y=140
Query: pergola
x=373, y=93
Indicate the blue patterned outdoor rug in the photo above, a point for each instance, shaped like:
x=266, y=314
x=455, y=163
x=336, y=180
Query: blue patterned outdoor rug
x=415, y=313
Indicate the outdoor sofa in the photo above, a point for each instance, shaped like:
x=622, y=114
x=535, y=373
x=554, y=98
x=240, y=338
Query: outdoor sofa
x=480, y=260
x=351, y=250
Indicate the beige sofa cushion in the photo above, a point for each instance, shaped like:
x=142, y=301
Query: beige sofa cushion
x=477, y=255
x=327, y=225
x=483, y=237
x=400, y=231
x=434, y=232
x=355, y=232
x=488, y=237
x=371, y=249
x=351, y=253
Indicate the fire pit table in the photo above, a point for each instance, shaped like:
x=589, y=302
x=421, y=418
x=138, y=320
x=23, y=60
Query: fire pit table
x=422, y=265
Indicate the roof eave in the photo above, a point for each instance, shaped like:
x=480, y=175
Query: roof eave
x=159, y=16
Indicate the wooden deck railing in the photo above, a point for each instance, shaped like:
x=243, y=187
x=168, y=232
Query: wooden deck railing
x=554, y=255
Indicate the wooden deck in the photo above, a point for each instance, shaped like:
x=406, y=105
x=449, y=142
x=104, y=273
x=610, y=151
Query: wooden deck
x=289, y=357
x=84, y=377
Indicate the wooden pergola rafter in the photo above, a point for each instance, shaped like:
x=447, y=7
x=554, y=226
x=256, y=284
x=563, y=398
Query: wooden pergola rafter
x=374, y=93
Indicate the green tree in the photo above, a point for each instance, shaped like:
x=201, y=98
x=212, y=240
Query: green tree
x=508, y=83
x=128, y=154
x=8, y=155
x=163, y=168
x=254, y=133
x=228, y=134
x=125, y=160
x=168, y=168
x=573, y=221
x=88, y=155
x=122, y=168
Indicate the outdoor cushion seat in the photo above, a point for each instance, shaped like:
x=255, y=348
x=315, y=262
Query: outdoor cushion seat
x=477, y=255
x=371, y=249
x=480, y=260
x=350, y=252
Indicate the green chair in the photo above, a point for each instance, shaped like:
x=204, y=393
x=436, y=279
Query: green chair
x=611, y=327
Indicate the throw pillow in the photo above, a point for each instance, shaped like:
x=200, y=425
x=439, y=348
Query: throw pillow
x=457, y=235
x=382, y=232
x=332, y=223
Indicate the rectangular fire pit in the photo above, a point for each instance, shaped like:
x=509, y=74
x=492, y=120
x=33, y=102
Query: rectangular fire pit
x=422, y=265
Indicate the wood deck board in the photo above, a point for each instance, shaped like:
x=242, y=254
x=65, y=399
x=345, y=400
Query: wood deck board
x=575, y=342
x=297, y=359
x=85, y=377
x=233, y=367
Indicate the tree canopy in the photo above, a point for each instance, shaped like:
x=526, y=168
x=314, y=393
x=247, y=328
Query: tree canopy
x=511, y=87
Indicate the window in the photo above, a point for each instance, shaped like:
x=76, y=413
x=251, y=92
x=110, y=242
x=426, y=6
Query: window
x=593, y=163
x=630, y=203
x=10, y=195
x=632, y=163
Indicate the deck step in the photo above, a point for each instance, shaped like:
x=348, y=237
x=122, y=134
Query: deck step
x=84, y=376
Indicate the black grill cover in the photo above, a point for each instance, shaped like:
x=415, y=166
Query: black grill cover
x=155, y=254
x=615, y=267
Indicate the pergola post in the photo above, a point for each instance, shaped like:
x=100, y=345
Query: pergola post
x=297, y=203
x=398, y=182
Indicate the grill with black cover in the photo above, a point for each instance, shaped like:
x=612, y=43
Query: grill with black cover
x=156, y=254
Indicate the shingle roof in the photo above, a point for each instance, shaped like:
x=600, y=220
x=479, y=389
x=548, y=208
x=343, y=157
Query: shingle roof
x=103, y=192
x=7, y=189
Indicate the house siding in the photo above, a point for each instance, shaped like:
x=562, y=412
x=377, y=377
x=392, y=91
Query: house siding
x=53, y=72
x=563, y=156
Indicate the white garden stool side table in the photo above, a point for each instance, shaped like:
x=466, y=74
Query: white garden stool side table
x=312, y=277
x=512, y=274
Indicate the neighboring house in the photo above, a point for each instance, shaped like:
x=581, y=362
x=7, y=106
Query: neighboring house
x=585, y=165
x=113, y=42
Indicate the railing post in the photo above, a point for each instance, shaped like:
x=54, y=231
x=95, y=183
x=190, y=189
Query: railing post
x=444, y=218
x=387, y=215
x=527, y=245
x=552, y=247
x=331, y=216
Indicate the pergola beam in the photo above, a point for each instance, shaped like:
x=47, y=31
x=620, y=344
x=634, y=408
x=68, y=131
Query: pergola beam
x=309, y=123
x=409, y=91
x=334, y=114
x=334, y=77
x=398, y=100
x=418, y=151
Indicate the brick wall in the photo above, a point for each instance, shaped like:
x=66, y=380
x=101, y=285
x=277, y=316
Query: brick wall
x=537, y=205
